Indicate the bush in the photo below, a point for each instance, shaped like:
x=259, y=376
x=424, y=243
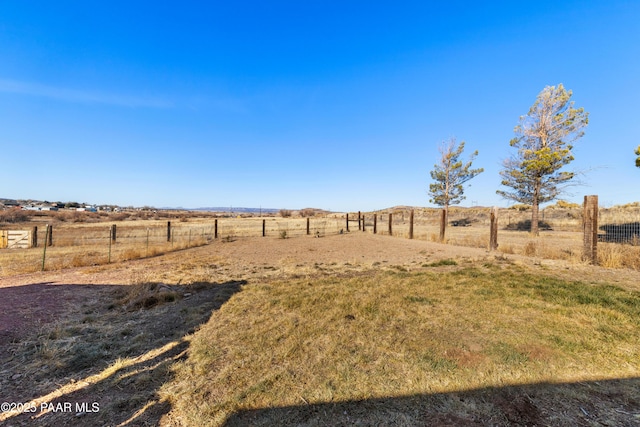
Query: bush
x=285, y=213
x=14, y=215
x=520, y=207
x=563, y=204
x=308, y=212
x=120, y=216
x=526, y=226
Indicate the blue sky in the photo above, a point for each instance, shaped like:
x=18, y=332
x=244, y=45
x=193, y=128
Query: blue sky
x=292, y=104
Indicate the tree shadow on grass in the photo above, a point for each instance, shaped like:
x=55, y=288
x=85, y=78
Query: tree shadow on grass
x=103, y=358
x=607, y=402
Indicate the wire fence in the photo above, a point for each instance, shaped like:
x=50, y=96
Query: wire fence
x=618, y=226
x=561, y=233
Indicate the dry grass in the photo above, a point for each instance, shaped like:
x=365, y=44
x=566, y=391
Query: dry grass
x=383, y=335
x=115, y=349
x=612, y=255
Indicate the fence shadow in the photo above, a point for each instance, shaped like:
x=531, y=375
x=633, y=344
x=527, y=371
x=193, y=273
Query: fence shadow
x=609, y=402
x=105, y=356
x=620, y=233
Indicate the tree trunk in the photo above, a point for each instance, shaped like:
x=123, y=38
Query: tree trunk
x=535, y=211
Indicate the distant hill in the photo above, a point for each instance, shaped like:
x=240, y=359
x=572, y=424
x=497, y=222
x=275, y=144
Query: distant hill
x=237, y=210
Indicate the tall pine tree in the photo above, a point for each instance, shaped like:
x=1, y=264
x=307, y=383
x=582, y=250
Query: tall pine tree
x=544, y=139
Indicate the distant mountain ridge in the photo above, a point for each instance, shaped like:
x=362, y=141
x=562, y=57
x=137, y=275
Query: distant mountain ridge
x=236, y=209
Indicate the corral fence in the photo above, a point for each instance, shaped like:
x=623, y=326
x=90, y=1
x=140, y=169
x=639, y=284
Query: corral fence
x=564, y=233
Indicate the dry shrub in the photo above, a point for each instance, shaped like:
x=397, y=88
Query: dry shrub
x=473, y=242
x=79, y=261
x=530, y=249
x=611, y=255
x=520, y=207
x=120, y=216
x=506, y=248
x=13, y=215
x=553, y=252
x=130, y=254
x=563, y=204
x=72, y=216
x=308, y=212
x=155, y=252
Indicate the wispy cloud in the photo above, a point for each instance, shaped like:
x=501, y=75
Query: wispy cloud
x=80, y=96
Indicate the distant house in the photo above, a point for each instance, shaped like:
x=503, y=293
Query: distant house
x=87, y=209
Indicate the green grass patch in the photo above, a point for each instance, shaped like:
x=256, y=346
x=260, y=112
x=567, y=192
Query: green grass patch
x=441, y=263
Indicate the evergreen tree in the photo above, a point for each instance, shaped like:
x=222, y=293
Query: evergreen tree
x=450, y=175
x=544, y=139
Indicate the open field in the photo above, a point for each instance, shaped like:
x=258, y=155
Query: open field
x=83, y=239
x=352, y=329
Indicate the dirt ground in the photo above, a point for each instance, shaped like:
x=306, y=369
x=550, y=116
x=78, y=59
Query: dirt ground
x=30, y=300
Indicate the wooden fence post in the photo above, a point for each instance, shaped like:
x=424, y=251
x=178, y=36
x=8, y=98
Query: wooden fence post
x=264, y=227
x=347, y=222
x=110, y=240
x=49, y=240
x=390, y=224
x=363, y=223
x=113, y=233
x=411, y=225
x=493, y=232
x=375, y=223
x=443, y=224
x=590, y=229
x=34, y=237
x=308, y=227
x=168, y=231
x=215, y=229
x=359, y=224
